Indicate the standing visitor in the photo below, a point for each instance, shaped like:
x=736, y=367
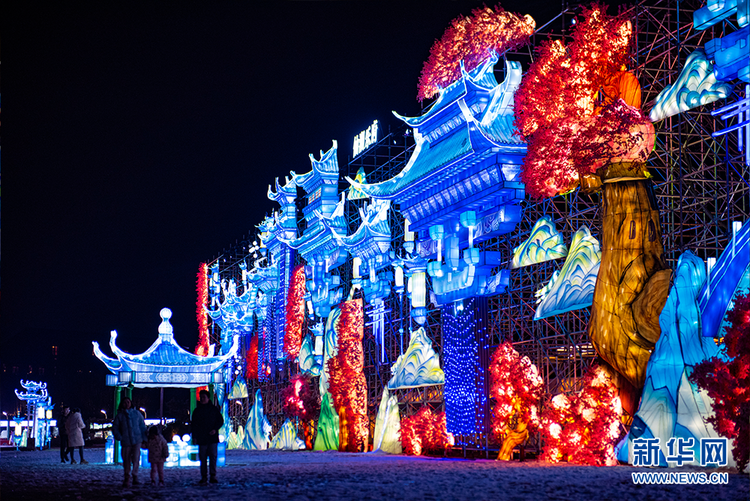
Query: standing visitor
x=64, y=412
x=158, y=452
x=205, y=426
x=130, y=429
x=74, y=426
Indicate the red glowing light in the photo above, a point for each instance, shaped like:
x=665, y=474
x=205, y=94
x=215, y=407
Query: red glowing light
x=425, y=432
x=347, y=383
x=295, y=313
x=202, y=288
x=251, y=359
x=470, y=39
x=583, y=428
x=572, y=98
x=516, y=387
x=727, y=381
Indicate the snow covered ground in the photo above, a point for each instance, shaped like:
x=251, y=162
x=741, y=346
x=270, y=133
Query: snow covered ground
x=298, y=476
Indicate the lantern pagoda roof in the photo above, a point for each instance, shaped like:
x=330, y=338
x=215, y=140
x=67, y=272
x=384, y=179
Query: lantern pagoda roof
x=467, y=151
x=165, y=363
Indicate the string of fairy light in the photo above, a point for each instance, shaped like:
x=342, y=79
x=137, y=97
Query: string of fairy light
x=464, y=377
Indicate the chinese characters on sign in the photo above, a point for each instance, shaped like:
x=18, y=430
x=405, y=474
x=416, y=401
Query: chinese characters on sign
x=366, y=138
x=713, y=451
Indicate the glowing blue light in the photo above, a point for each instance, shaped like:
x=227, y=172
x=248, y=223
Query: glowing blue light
x=464, y=377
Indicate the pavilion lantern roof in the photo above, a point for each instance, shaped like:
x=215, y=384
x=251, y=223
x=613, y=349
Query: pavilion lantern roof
x=165, y=363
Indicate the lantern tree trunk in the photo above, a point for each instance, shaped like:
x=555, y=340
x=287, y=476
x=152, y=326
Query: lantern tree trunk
x=633, y=282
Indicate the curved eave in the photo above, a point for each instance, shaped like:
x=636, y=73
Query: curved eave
x=139, y=363
x=480, y=79
x=364, y=232
x=112, y=364
x=325, y=169
x=288, y=190
x=422, y=167
x=318, y=232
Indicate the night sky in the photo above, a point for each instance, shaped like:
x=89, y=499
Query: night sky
x=139, y=140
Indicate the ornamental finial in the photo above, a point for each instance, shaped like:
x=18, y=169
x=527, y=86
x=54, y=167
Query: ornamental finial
x=165, y=328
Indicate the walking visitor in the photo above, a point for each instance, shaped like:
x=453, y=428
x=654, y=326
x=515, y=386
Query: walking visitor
x=205, y=426
x=130, y=430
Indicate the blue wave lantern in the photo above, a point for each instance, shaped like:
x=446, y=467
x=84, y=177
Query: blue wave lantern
x=545, y=243
x=418, y=366
x=696, y=86
x=672, y=406
x=572, y=287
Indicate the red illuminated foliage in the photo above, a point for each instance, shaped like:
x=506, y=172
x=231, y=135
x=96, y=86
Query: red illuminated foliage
x=425, y=432
x=201, y=315
x=583, y=428
x=727, y=381
x=470, y=39
x=298, y=400
x=576, y=107
x=251, y=359
x=295, y=313
x=516, y=387
x=347, y=383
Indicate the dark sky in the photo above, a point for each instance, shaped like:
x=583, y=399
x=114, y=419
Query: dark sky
x=139, y=140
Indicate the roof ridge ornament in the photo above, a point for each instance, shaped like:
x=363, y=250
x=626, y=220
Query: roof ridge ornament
x=165, y=328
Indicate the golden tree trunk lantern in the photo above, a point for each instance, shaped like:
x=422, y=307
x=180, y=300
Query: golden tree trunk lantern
x=633, y=282
x=513, y=438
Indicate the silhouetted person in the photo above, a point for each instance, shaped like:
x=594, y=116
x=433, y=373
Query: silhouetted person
x=64, y=413
x=130, y=429
x=205, y=426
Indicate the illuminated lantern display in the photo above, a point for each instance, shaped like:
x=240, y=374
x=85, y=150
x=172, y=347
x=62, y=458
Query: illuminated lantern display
x=353, y=193
x=425, y=432
x=729, y=51
x=36, y=398
x=347, y=383
x=165, y=363
x=295, y=313
x=251, y=359
x=239, y=389
x=298, y=401
x=464, y=390
x=671, y=405
x=286, y=438
x=696, y=86
x=727, y=278
x=418, y=366
x=370, y=247
x=574, y=138
x=470, y=40
x=257, y=428
x=309, y=361
x=324, y=215
x=387, y=425
x=461, y=186
x=544, y=244
x=516, y=388
x=572, y=286
x=327, y=438
x=726, y=378
x=200, y=311
x=583, y=428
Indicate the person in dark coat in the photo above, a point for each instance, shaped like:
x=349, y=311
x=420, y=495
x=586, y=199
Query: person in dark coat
x=205, y=424
x=130, y=430
x=64, y=413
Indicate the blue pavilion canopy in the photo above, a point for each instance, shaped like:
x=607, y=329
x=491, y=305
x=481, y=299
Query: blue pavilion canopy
x=164, y=364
